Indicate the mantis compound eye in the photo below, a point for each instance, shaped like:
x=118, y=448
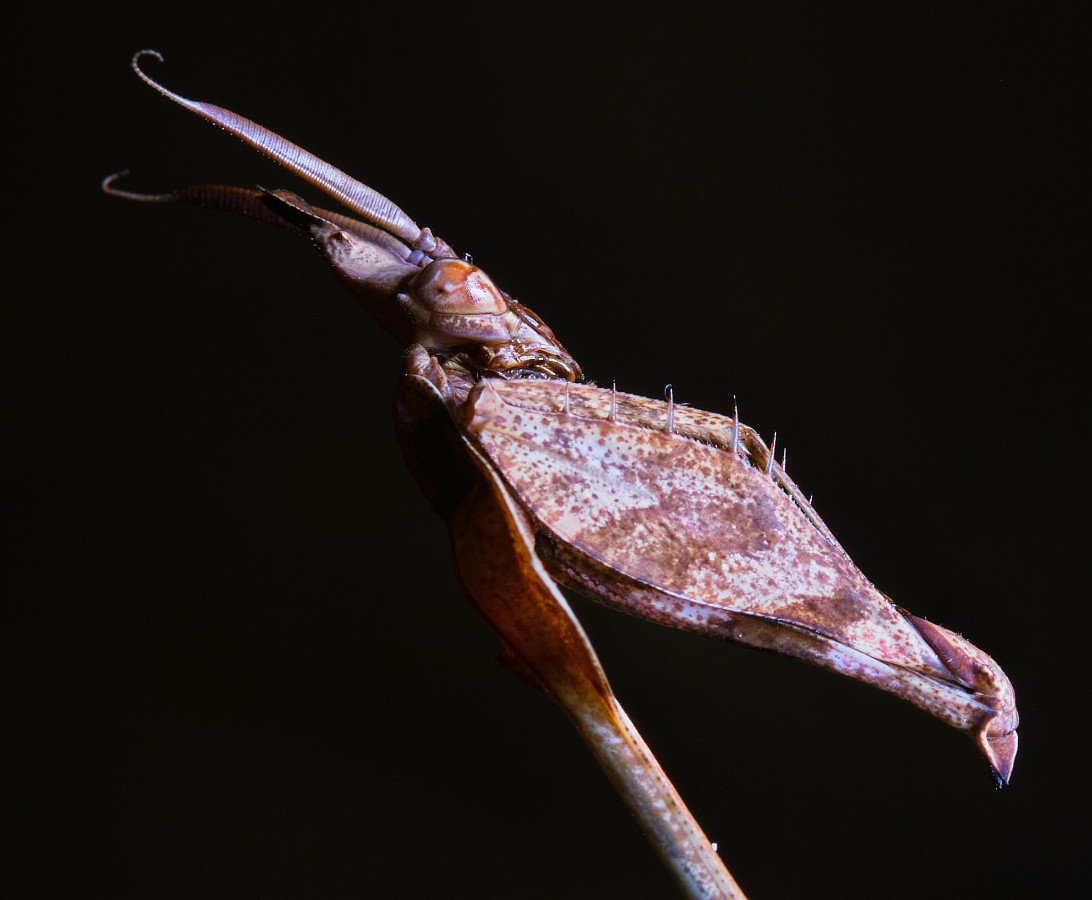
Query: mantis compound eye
x=456, y=287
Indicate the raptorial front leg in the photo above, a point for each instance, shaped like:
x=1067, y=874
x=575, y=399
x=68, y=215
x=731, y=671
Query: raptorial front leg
x=541, y=639
x=547, y=646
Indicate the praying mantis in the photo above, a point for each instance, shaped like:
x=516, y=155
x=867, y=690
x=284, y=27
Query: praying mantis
x=546, y=481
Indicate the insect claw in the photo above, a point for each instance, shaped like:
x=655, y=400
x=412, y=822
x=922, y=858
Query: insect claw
x=1001, y=753
x=982, y=677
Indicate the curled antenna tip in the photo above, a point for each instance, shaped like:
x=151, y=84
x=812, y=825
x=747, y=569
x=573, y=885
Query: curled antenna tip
x=146, y=52
x=108, y=187
x=140, y=54
x=152, y=83
x=110, y=179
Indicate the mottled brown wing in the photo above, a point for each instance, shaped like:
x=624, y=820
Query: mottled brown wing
x=682, y=512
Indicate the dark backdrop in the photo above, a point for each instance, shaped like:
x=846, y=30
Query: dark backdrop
x=235, y=660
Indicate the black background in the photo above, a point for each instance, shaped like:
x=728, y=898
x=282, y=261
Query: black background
x=235, y=661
